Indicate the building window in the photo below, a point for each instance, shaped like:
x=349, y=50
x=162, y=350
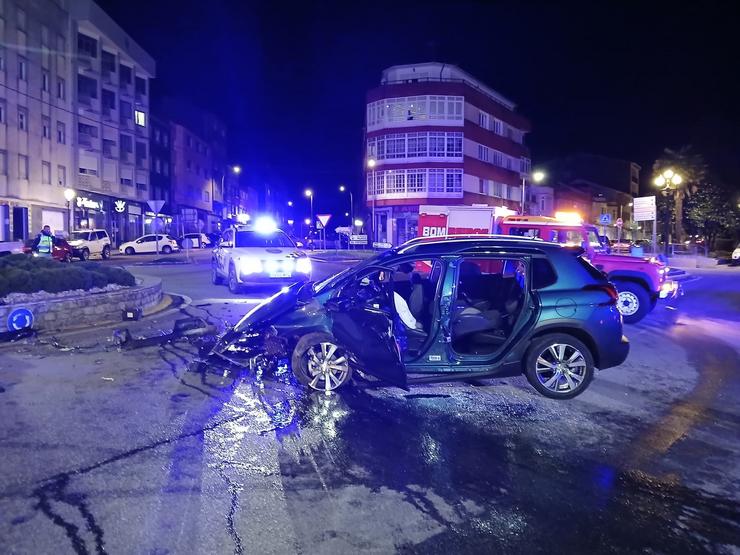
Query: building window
x=140, y=86
x=498, y=126
x=3, y=162
x=87, y=46
x=46, y=127
x=483, y=120
x=2, y=111
x=22, y=119
x=415, y=181
x=416, y=144
x=206, y=196
x=157, y=136
x=140, y=118
x=86, y=88
x=127, y=147
x=166, y=168
x=140, y=153
x=125, y=111
x=165, y=138
x=498, y=158
x=2, y=58
x=125, y=74
x=395, y=146
x=22, y=166
x=46, y=173
x=484, y=153
x=61, y=176
x=61, y=133
x=453, y=181
x=436, y=144
x=109, y=100
x=20, y=18
x=45, y=81
x=498, y=190
x=107, y=62
x=61, y=88
x=22, y=69
x=157, y=165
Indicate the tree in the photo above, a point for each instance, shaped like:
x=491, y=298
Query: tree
x=711, y=212
x=693, y=170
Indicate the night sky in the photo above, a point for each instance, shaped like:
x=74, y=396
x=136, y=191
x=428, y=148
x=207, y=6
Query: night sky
x=289, y=79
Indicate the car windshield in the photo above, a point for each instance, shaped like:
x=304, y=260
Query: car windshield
x=79, y=235
x=331, y=281
x=263, y=240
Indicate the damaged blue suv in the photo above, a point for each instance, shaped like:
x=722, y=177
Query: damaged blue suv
x=442, y=309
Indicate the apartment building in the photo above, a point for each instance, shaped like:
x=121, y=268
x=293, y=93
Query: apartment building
x=437, y=135
x=74, y=107
x=110, y=98
x=37, y=158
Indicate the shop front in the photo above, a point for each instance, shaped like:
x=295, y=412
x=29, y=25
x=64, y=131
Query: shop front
x=122, y=219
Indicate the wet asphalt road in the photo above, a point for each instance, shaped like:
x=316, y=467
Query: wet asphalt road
x=142, y=452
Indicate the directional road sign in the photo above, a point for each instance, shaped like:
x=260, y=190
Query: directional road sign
x=19, y=319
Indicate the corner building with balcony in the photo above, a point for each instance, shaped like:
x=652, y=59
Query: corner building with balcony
x=438, y=136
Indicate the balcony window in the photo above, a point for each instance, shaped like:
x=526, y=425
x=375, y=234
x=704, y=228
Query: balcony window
x=87, y=46
x=86, y=87
x=126, y=111
x=140, y=86
x=108, y=62
x=126, y=74
x=140, y=118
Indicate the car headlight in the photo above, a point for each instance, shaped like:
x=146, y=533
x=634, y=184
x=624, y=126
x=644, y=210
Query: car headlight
x=303, y=265
x=249, y=265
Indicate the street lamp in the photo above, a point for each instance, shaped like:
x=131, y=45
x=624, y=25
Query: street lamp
x=309, y=194
x=351, y=214
x=538, y=176
x=666, y=181
x=236, y=170
x=69, y=195
x=371, y=163
x=290, y=203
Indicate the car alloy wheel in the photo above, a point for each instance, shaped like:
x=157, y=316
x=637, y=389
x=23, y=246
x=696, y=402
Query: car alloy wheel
x=215, y=278
x=320, y=363
x=106, y=253
x=129, y=251
x=166, y=249
x=628, y=303
x=85, y=254
x=327, y=366
x=561, y=368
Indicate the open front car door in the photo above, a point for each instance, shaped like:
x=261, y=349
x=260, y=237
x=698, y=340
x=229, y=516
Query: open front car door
x=362, y=318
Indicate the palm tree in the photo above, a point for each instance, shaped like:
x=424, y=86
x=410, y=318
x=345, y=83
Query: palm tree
x=692, y=168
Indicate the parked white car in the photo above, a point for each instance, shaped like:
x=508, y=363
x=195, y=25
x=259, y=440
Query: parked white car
x=90, y=242
x=11, y=247
x=198, y=240
x=249, y=255
x=148, y=244
x=736, y=256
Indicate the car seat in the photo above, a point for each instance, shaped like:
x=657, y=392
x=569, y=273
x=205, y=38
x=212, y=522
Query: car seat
x=416, y=297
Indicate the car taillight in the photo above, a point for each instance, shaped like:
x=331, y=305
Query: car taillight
x=607, y=288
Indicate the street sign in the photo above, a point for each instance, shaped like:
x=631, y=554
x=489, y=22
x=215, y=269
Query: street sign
x=155, y=205
x=382, y=245
x=643, y=209
x=605, y=219
x=19, y=319
x=620, y=222
x=323, y=218
x=358, y=239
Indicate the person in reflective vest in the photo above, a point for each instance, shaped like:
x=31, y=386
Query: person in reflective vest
x=43, y=245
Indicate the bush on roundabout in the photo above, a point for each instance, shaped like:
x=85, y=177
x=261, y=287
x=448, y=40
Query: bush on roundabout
x=20, y=273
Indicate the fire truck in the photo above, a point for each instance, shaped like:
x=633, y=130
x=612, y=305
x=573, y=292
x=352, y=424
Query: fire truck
x=640, y=281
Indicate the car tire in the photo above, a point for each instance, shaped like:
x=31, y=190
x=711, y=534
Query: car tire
x=85, y=254
x=130, y=251
x=106, y=252
x=166, y=249
x=234, y=286
x=575, y=366
x=306, y=362
x=215, y=278
x=67, y=258
x=633, y=301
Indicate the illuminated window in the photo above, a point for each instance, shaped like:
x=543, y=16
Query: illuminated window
x=140, y=118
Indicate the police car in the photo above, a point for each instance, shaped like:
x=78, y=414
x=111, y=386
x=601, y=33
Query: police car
x=258, y=254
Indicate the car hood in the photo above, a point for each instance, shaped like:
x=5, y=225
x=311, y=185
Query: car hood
x=625, y=259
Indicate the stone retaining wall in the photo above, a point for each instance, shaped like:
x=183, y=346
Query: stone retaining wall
x=89, y=309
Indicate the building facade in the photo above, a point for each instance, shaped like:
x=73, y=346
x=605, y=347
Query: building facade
x=37, y=159
x=73, y=115
x=110, y=96
x=437, y=135
x=594, y=185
